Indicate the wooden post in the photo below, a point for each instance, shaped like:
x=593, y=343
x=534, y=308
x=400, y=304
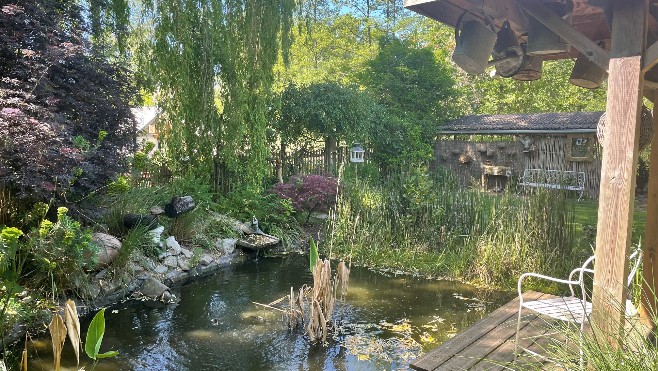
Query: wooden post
x=649, y=305
x=618, y=166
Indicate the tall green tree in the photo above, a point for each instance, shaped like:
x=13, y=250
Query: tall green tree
x=327, y=110
x=411, y=83
x=327, y=49
x=551, y=93
x=201, y=50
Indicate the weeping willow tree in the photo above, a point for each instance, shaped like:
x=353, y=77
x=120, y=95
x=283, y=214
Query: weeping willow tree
x=210, y=63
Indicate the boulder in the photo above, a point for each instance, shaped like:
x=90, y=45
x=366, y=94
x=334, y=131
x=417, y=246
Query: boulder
x=178, y=206
x=133, y=220
x=206, y=259
x=173, y=245
x=160, y=269
x=108, y=248
x=153, y=288
x=226, y=245
x=186, y=253
x=156, y=235
x=184, y=265
x=171, y=262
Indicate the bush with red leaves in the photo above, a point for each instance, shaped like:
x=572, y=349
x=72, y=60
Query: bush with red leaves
x=309, y=193
x=55, y=95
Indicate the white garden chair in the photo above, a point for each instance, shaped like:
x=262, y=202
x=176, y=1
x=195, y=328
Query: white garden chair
x=572, y=309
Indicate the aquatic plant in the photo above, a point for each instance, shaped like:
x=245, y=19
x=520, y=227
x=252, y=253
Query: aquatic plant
x=70, y=325
x=423, y=224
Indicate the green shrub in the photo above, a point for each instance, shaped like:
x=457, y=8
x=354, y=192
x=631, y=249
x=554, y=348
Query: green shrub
x=61, y=252
x=269, y=209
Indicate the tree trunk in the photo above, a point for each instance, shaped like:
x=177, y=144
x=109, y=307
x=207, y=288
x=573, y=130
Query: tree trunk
x=281, y=161
x=329, y=152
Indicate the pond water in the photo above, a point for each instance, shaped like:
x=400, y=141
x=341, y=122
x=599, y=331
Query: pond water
x=385, y=322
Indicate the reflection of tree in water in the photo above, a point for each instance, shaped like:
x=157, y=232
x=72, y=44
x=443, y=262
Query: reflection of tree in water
x=386, y=321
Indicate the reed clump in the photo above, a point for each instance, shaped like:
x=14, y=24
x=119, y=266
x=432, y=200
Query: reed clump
x=421, y=223
x=312, y=308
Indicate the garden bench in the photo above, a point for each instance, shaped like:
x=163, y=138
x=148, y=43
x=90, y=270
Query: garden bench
x=554, y=179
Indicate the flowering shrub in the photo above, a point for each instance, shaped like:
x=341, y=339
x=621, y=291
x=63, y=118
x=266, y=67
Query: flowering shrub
x=309, y=193
x=62, y=251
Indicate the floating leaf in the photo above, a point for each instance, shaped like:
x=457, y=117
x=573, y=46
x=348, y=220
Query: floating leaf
x=73, y=327
x=58, y=335
x=95, y=334
x=110, y=354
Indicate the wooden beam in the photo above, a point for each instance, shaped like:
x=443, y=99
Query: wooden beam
x=650, y=57
x=563, y=29
x=649, y=305
x=620, y=149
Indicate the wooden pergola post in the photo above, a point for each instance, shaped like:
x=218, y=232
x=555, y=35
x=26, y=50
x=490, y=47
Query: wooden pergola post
x=649, y=304
x=618, y=166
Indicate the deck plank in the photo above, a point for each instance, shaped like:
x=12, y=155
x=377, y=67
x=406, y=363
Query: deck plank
x=479, y=332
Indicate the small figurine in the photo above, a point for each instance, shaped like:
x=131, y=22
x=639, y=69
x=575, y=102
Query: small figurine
x=254, y=225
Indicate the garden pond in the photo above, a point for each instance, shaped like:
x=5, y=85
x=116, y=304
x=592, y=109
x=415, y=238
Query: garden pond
x=385, y=322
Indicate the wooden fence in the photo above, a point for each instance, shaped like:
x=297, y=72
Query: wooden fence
x=305, y=161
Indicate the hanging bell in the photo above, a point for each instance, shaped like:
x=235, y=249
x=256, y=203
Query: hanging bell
x=474, y=43
x=508, y=51
x=587, y=74
x=541, y=40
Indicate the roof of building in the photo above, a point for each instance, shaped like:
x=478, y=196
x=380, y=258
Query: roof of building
x=144, y=116
x=525, y=123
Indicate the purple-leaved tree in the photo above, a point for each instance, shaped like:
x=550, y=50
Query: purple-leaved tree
x=309, y=193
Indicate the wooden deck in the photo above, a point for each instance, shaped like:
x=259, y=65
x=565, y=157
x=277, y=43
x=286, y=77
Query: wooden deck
x=489, y=343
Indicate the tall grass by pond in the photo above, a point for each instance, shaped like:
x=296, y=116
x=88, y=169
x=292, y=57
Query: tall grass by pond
x=427, y=225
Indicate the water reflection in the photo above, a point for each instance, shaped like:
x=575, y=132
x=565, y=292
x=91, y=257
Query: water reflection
x=385, y=323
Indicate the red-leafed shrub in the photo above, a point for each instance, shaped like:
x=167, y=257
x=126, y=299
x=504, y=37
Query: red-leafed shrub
x=65, y=123
x=309, y=193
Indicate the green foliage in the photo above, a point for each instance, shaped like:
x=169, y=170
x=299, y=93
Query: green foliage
x=552, y=93
x=81, y=143
x=532, y=234
x=402, y=146
x=119, y=186
x=313, y=255
x=62, y=251
x=94, y=338
x=421, y=222
x=207, y=49
x=412, y=84
x=136, y=239
x=269, y=209
x=417, y=92
x=10, y=254
x=326, y=110
x=329, y=46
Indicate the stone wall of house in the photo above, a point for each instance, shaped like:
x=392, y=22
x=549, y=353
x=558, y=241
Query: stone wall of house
x=466, y=158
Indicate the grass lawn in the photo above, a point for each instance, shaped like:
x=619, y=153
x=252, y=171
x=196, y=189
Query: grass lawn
x=587, y=213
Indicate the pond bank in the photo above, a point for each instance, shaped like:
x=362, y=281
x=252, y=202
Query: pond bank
x=142, y=279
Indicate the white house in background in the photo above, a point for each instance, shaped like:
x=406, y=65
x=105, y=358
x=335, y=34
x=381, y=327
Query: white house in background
x=147, y=118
